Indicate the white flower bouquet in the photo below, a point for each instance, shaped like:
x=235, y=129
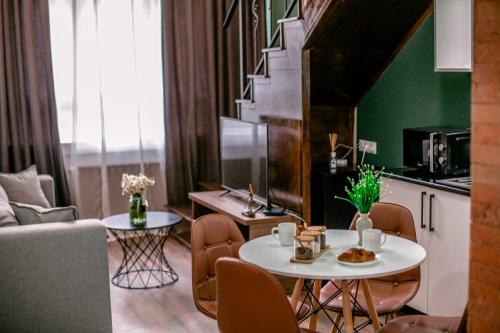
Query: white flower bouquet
x=135, y=184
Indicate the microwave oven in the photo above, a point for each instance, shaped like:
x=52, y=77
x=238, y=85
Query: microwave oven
x=439, y=150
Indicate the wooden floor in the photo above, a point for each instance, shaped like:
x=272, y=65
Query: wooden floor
x=168, y=309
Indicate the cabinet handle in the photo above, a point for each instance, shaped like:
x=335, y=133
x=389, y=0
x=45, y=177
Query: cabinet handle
x=422, y=195
x=431, y=197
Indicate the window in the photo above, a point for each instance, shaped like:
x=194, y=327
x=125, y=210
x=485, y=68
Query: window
x=108, y=73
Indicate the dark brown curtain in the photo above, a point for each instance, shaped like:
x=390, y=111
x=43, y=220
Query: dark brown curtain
x=28, y=116
x=201, y=73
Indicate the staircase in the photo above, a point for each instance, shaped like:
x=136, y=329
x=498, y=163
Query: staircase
x=275, y=97
x=279, y=88
x=324, y=62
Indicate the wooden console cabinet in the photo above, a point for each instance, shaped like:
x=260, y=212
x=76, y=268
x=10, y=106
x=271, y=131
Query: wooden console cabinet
x=230, y=204
x=207, y=202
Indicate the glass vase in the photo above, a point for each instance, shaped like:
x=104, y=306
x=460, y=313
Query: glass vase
x=363, y=222
x=137, y=205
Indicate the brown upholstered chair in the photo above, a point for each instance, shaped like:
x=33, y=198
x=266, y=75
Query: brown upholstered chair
x=214, y=236
x=251, y=300
x=389, y=293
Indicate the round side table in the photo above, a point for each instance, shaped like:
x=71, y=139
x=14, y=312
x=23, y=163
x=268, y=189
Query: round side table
x=144, y=264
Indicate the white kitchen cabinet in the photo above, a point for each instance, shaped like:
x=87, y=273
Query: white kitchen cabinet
x=453, y=35
x=448, y=248
x=444, y=231
x=410, y=195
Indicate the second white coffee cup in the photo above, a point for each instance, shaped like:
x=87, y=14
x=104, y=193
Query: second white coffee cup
x=373, y=239
x=285, y=233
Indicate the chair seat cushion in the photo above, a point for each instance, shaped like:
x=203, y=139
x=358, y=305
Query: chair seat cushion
x=421, y=324
x=388, y=297
x=301, y=310
x=208, y=307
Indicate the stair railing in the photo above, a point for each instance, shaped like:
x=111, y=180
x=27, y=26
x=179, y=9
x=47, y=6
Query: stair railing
x=274, y=38
x=246, y=87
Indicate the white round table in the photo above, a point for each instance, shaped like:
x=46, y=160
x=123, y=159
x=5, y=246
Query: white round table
x=397, y=255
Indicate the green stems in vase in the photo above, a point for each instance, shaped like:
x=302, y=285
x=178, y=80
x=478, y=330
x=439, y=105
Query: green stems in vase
x=362, y=195
x=137, y=209
x=366, y=191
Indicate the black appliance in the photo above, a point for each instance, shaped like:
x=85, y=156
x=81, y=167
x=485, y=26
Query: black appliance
x=325, y=209
x=438, y=150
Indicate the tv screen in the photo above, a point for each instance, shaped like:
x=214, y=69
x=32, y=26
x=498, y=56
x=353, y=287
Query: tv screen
x=243, y=152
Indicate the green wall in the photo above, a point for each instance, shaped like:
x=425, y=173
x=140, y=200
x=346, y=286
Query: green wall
x=275, y=9
x=410, y=94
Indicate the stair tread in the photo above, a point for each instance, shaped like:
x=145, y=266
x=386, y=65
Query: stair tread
x=244, y=101
x=289, y=19
x=272, y=49
x=256, y=76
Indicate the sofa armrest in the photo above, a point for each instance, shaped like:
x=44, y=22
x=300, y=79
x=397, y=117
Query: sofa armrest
x=54, y=278
x=47, y=183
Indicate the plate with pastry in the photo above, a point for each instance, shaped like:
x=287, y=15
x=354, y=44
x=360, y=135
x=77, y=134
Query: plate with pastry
x=357, y=257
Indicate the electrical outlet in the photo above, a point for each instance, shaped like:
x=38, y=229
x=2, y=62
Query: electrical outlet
x=371, y=146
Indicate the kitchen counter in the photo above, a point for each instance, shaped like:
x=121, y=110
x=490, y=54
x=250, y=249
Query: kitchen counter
x=416, y=177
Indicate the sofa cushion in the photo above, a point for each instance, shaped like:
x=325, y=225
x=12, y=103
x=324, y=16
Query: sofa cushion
x=7, y=217
x=31, y=214
x=24, y=187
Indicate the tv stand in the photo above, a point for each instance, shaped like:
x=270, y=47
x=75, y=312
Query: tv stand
x=230, y=204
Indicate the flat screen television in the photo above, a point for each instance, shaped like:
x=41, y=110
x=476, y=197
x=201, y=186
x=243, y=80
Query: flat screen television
x=244, y=157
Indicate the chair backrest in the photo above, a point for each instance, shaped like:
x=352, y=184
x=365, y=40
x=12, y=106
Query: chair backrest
x=212, y=236
x=394, y=220
x=251, y=300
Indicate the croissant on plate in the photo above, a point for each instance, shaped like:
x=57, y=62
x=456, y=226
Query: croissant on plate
x=356, y=255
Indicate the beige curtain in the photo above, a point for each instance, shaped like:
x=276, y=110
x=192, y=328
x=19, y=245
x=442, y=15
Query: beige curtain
x=200, y=78
x=109, y=89
x=28, y=117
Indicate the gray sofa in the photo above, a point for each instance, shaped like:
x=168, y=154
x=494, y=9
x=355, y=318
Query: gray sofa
x=54, y=276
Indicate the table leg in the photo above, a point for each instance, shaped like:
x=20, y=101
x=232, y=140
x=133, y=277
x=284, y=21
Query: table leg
x=346, y=305
x=369, y=303
x=313, y=320
x=297, y=290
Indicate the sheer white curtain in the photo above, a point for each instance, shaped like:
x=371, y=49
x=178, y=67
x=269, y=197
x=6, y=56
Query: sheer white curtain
x=108, y=79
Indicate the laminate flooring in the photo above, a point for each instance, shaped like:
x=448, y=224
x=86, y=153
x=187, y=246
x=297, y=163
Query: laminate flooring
x=167, y=309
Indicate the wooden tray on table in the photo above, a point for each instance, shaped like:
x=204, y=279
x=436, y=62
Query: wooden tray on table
x=313, y=259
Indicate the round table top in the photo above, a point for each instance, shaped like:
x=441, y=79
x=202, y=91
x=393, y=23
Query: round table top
x=154, y=220
x=397, y=255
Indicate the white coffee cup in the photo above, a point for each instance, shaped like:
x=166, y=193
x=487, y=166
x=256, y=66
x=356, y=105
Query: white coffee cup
x=285, y=233
x=373, y=239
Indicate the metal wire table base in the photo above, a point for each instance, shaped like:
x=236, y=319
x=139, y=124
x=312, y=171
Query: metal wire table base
x=144, y=265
